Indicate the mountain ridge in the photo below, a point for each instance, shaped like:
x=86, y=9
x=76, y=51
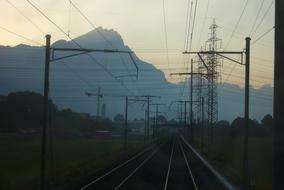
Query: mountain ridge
x=22, y=68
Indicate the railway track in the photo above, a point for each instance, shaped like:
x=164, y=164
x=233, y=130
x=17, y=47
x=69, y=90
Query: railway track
x=169, y=166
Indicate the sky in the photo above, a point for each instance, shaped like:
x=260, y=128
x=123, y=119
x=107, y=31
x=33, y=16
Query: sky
x=145, y=29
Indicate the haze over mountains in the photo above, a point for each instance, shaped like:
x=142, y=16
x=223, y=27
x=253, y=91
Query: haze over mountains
x=22, y=66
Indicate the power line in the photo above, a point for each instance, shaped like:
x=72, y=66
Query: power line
x=237, y=24
x=263, y=35
x=187, y=33
x=262, y=19
x=69, y=17
x=100, y=33
x=204, y=20
x=21, y=13
x=91, y=23
x=59, y=28
x=190, y=33
x=191, y=37
x=166, y=34
x=186, y=25
x=257, y=15
x=193, y=24
x=19, y=35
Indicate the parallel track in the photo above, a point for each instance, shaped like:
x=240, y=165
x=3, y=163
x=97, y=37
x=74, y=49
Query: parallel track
x=172, y=165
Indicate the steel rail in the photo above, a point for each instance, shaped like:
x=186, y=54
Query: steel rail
x=169, y=166
x=115, y=168
x=219, y=176
x=187, y=165
x=136, y=169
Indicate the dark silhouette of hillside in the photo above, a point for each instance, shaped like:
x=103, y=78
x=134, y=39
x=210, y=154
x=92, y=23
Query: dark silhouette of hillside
x=21, y=68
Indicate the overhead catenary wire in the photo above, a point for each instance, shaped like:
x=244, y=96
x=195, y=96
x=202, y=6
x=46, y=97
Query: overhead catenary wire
x=193, y=24
x=91, y=23
x=69, y=18
x=26, y=17
x=257, y=16
x=189, y=38
x=262, y=19
x=262, y=35
x=21, y=36
x=101, y=34
x=187, y=27
x=237, y=24
x=77, y=44
x=145, y=83
x=204, y=21
x=251, y=33
x=165, y=33
x=75, y=73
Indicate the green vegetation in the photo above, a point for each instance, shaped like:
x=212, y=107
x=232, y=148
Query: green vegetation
x=225, y=151
x=74, y=149
x=227, y=154
x=68, y=160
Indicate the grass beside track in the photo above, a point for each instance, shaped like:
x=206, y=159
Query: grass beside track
x=226, y=154
x=68, y=159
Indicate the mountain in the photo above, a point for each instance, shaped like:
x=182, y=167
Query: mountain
x=22, y=67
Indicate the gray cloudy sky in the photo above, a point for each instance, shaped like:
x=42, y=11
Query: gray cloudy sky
x=141, y=25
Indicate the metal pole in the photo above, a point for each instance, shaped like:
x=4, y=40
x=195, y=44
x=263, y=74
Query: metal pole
x=125, y=120
x=145, y=127
x=202, y=123
x=156, y=121
x=98, y=103
x=246, y=127
x=148, y=114
x=191, y=101
x=180, y=114
x=184, y=116
x=211, y=104
x=208, y=114
x=278, y=128
x=44, y=117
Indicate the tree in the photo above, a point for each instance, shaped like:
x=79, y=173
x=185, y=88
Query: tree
x=22, y=110
x=119, y=118
x=223, y=123
x=267, y=120
x=162, y=119
x=236, y=127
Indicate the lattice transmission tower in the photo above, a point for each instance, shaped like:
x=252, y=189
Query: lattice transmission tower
x=214, y=65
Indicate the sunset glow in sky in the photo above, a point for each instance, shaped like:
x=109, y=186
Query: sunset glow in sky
x=141, y=25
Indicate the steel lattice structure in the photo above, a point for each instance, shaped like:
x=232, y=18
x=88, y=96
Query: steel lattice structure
x=214, y=64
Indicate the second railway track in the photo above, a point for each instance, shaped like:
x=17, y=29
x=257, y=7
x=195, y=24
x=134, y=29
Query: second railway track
x=169, y=166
